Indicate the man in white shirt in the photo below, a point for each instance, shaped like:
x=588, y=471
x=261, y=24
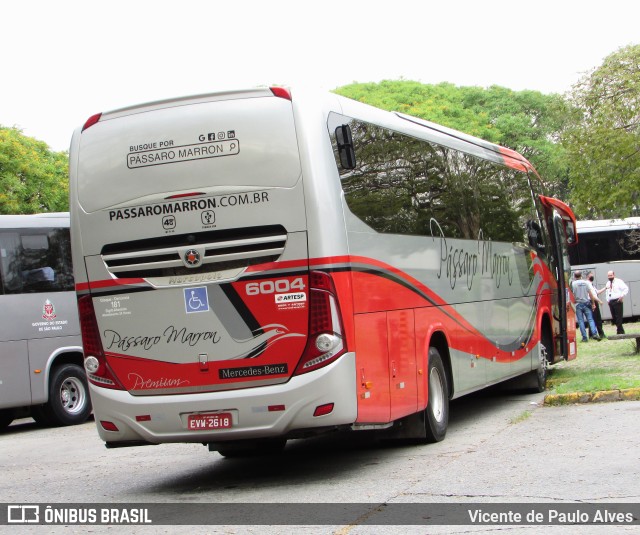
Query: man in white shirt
x=616, y=291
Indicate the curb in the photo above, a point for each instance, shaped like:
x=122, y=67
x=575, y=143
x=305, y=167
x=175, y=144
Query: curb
x=629, y=394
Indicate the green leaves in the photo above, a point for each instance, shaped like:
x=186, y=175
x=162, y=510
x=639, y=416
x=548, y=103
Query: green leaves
x=32, y=177
x=604, y=145
x=526, y=121
x=586, y=147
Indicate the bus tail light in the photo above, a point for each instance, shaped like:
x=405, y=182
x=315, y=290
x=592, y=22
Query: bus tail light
x=95, y=362
x=281, y=92
x=91, y=121
x=108, y=426
x=323, y=410
x=325, y=342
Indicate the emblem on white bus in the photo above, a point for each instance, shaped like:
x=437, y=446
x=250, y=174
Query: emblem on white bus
x=48, y=311
x=192, y=258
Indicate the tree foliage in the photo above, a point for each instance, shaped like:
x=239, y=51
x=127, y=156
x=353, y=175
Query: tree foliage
x=604, y=145
x=527, y=121
x=32, y=177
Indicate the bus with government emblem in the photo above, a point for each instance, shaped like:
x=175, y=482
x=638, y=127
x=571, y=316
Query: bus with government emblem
x=610, y=245
x=41, y=361
x=260, y=265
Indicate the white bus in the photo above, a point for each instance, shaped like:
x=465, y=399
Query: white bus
x=260, y=265
x=611, y=245
x=41, y=362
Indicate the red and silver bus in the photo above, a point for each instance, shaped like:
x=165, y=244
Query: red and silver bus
x=261, y=265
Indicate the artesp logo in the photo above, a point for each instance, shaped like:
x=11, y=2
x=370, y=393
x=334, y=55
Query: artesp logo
x=285, y=298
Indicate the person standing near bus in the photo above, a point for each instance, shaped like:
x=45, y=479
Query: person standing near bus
x=584, y=294
x=597, y=316
x=616, y=291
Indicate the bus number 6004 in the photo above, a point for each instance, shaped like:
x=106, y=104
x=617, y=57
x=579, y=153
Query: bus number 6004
x=276, y=286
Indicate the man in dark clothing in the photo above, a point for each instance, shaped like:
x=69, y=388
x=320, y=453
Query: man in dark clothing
x=597, y=316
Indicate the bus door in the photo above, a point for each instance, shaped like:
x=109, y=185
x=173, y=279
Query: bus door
x=562, y=230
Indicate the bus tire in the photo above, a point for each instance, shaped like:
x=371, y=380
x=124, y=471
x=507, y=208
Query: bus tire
x=6, y=417
x=69, y=402
x=536, y=380
x=430, y=424
x=436, y=417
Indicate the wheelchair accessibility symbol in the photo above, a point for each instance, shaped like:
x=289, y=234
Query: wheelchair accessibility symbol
x=196, y=300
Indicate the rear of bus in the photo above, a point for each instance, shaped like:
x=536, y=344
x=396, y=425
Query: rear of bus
x=201, y=318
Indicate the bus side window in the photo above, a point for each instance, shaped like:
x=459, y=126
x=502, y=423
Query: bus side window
x=33, y=262
x=37, y=274
x=10, y=263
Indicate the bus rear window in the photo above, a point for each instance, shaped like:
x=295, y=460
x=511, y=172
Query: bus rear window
x=35, y=260
x=606, y=246
x=253, y=145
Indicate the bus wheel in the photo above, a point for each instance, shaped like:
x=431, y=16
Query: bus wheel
x=429, y=425
x=436, y=417
x=536, y=380
x=69, y=402
x=6, y=417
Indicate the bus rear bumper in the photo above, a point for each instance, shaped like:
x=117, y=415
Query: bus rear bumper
x=260, y=412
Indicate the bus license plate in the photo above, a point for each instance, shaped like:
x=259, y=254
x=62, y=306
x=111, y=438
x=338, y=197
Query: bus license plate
x=207, y=422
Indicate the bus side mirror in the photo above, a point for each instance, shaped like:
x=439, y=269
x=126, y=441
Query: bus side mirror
x=570, y=232
x=534, y=234
x=345, y=147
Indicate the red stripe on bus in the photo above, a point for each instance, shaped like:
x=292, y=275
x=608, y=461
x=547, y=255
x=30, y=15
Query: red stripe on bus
x=94, y=285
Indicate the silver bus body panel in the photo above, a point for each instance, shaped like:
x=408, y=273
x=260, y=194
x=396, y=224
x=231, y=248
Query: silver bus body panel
x=36, y=328
x=42, y=356
x=125, y=158
x=249, y=407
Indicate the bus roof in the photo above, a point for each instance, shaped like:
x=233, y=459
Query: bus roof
x=505, y=152
x=604, y=225
x=505, y=155
x=49, y=219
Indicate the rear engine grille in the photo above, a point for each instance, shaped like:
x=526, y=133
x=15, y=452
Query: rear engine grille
x=218, y=250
